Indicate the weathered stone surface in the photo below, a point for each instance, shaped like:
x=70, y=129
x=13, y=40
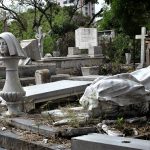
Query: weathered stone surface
x=86, y=37
x=58, y=77
x=105, y=142
x=95, y=51
x=74, y=52
x=12, y=141
x=29, y=70
x=126, y=93
x=30, y=125
x=55, y=90
x=93, y=70
x=42, y=76
x=31, y=48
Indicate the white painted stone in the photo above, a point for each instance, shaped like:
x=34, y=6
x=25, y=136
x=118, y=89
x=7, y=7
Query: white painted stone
x=142, y=37
x=12, y=92
x=122, y=90
x=40, y=36
x=86, y=37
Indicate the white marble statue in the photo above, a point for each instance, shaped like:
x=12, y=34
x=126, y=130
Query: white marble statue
x=12, y=92
x=9, y=45
x=122, y=90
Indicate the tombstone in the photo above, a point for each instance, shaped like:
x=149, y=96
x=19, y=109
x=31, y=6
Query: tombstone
x=85, y=38
x=13, y=93
x=142, y=38
x=42, y=76
x=40, y=36
x=73, y=52
x=95, y=51
x=31, y=48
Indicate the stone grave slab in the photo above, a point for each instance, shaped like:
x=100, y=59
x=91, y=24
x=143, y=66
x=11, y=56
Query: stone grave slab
x=55, y=90
x=105, y=142
x=87, y=78
x=86, y=37
x=30, y=125
x=50, y=131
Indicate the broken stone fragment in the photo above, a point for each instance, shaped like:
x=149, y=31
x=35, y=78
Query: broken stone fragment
x=108, y=130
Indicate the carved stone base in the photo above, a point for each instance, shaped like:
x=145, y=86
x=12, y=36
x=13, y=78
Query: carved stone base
x=14, y=109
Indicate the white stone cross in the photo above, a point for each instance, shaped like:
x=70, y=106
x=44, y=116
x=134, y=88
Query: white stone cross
x=40, y=36
x=142, y=37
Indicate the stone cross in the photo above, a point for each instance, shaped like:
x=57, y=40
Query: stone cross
x=40, y=36
x=142, y=37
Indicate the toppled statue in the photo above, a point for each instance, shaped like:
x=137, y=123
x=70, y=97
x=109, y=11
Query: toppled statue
x=124, y=94
x=9, y=45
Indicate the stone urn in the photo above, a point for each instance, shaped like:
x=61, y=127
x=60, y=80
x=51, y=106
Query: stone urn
x=12, y=92
x=91, y=70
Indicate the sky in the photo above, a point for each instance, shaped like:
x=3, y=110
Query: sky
x=99, y=6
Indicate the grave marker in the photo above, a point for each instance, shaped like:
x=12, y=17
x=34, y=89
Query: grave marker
x=142, y=38
x=86, y=37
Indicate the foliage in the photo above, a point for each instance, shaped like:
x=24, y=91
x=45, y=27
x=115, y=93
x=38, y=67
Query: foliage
x=108, y=21
x=114, y=68
x=120, y=122
x=49, y=44
x=120, y=43
x=130, y=15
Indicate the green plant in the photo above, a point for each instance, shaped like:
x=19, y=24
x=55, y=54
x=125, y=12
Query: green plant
x=120, y=122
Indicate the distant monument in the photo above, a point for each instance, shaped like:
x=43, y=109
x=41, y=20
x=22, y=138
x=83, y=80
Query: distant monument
x=86, y=38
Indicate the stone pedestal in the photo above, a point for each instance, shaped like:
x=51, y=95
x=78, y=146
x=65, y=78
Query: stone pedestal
x=95, y=51
x=74, y=52
x=12, y=92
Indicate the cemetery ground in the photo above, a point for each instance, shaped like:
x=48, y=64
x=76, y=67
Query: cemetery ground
x=40, y=128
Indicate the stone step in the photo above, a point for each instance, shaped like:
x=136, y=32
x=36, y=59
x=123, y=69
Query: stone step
x=54, y=91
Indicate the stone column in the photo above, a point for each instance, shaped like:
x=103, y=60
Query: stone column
x=12, y=92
